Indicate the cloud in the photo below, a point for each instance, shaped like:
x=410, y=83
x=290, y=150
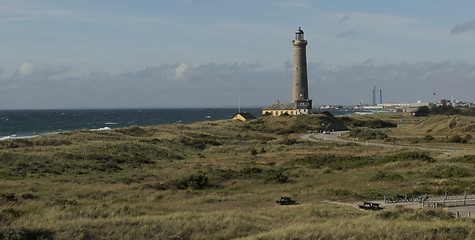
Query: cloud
x=31, y=70
x=401, y=82
x=460, y=28
x=347, y=33
x=343, y=19
x=217, y=85
x=292, y=4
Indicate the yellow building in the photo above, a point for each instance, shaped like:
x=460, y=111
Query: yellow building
x=297, y=108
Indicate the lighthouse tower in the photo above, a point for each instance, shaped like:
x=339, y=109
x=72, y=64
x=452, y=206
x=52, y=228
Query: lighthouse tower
x=300, y=103
x=300, y=83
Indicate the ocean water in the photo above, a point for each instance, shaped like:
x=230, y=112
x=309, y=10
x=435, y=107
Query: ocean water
x=29, y=123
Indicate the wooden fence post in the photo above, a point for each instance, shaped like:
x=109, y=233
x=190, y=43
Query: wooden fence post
x=465, y=198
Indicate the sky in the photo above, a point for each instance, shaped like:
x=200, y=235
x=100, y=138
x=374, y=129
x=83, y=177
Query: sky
x=59, y=54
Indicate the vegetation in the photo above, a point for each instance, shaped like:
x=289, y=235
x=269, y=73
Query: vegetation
x=220, y=180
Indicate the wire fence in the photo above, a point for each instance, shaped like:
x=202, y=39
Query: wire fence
x=449, y=201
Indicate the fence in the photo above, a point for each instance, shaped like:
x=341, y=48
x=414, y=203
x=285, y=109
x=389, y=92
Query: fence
x=450, y=201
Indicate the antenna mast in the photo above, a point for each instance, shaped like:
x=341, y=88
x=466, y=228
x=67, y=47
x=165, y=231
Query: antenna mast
x=239, y=104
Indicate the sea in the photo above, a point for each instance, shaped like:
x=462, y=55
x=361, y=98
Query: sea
x=31, y=123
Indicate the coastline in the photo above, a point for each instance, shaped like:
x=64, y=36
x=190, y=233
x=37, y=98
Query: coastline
x=34, y=123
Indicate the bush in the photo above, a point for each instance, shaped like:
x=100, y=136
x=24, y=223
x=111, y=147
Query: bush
x=377, y=123
x=465, y=158
x=277, y=177
x=29, y=196
x=445, y=171
x=197, y=181
x=334, y=162
x=383, y=176
x=251, y=171
x=408, y=156
x=24, y=233
x=368, y=134
x=428, y=138
x=9, y=196
x=456, y=139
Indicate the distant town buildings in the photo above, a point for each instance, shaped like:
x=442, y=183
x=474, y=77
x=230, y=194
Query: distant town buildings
x=300, y=103
x=410, y=106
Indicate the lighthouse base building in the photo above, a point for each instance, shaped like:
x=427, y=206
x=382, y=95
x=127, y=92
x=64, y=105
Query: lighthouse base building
x=297, y=108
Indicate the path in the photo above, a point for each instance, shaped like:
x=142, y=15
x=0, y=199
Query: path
x=334, y=136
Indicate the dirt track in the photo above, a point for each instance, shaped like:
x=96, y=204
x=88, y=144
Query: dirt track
x=334, y=136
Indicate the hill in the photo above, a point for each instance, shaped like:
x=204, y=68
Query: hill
x=220, y=180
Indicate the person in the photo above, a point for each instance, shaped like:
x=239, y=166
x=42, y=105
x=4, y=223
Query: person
x=393, y=141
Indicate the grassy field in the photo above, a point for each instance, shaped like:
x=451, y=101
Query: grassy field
x=220, y=180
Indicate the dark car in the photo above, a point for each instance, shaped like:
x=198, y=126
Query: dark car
x=286, y=201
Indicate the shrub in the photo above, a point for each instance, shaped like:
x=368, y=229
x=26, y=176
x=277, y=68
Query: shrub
x=445, y=171
x=277, y=177
x=456, y=139
x=407, y=156
x=377, y=123
x=29, y=196
x=197, y=181
x=368, y=134
x=334, y=162
x=465, y=158
x=251, y=171
x=428, y=138
x=24, y=233
x=383, y=176
x=467, y=138
x=9, y=196
x=288, y=141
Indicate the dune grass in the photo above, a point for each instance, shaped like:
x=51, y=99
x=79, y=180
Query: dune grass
x=220, y=180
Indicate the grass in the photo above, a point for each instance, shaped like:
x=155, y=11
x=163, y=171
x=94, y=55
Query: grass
x=220, y=180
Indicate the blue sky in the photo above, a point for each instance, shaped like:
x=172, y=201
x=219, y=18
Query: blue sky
x=209, y=53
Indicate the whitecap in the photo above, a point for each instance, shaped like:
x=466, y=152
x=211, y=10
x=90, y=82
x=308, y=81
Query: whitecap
x=101, y=129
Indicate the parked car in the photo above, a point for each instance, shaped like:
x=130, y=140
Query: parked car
x=286, y=201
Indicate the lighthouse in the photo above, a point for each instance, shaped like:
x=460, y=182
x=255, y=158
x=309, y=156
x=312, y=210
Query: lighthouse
x=299, y=74
x=300, y=103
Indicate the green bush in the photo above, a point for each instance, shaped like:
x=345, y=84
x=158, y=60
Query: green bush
x=428, y=138
x=445, y=171
x=383, y=176
x=364, y=134
x=250, y=171
x=197, y=181
x=335, y=162
x=456, y=139
x=407, y=156
x=465, y=158
x=276, y=177
x=27, y=234
x=377, y=123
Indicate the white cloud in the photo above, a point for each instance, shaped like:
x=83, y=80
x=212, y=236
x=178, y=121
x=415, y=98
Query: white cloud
x=216, y=85
x=31, y=70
